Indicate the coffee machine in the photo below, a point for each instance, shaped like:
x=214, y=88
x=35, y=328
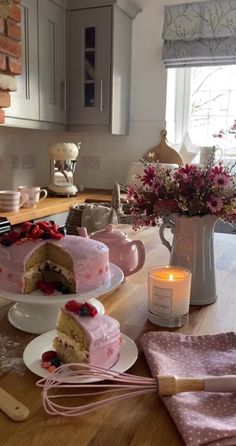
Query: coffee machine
x=63, y=157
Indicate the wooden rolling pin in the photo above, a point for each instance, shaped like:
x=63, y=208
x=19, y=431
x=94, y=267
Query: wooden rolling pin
x=11, y=407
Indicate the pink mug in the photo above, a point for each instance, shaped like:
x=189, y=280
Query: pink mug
x=33, y=195
x=11, y=200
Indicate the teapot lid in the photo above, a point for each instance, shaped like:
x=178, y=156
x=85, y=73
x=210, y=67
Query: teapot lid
x=109, y=234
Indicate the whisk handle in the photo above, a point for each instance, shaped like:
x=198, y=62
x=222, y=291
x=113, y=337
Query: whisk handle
x=170, y=385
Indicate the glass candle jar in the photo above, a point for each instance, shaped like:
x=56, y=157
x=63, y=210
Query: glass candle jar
x=168, y=295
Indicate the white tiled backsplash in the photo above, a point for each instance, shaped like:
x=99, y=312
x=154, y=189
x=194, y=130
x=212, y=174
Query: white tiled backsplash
x=24, y=155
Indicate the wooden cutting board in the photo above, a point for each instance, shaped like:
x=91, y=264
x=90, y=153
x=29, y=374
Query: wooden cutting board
x=163, y=153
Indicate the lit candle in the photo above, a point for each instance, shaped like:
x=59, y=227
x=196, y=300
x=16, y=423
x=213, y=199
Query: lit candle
x=168, y=295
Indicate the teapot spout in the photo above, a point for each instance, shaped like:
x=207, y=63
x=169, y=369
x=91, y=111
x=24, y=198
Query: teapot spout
x=82, y=231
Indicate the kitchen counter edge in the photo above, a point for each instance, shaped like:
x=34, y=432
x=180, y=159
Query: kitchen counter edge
x=56, y=205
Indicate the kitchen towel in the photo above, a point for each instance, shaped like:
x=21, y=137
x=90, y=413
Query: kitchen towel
x=202, y=418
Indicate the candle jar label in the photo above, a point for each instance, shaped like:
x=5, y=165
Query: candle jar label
x=161, y=300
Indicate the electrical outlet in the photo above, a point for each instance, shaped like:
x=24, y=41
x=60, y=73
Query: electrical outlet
x=28, y=161
x=15, y=161
x=91, y=162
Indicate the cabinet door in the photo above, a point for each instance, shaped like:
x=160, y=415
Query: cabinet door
x=25, y=101
x=89, y=66
x=52, y=61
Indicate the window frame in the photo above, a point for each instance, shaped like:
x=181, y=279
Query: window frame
x=178, y=102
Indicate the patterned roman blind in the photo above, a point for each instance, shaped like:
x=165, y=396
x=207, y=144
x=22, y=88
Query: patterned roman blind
x=200, y=34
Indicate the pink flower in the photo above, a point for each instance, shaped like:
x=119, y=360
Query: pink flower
x=188, y=190
x=149, y=175
x=215, y=204
x=221, y=179
x=187, y=169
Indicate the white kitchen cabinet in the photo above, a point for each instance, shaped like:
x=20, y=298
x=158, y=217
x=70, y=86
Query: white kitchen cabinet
x=40, y=97
x=99, y=65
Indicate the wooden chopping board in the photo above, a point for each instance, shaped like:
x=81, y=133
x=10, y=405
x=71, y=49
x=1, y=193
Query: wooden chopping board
x=163, y=153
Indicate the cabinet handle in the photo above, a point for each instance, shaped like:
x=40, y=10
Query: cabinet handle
x=101, y=95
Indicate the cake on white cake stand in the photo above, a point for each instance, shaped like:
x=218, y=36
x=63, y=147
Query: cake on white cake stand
x=36, y=313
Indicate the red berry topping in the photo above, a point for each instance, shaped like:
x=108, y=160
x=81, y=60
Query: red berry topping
x=46, y=287
x=31, y=231
x=55, y=235
x=84, y=309
x=37, y=232
x=27, y=226
x=92, y=310
x=14, y=235
x=73, y=305
x=44, y=224
x=49, y=355
x=55, y=227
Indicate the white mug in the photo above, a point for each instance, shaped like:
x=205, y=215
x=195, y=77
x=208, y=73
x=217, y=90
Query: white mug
x=11, y=200
x=32, y=195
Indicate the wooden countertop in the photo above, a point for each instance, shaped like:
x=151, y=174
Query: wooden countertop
x=141, y=421
x=55, y=205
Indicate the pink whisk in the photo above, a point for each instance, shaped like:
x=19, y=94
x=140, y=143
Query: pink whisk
x=124, y=386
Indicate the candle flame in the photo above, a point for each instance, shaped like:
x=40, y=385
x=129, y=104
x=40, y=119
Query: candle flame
x=171, y=277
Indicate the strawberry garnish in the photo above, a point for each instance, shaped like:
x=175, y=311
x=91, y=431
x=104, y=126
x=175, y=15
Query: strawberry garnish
x=48, y=355
x=73, y=305
x=84, y=309
x=27, y=226
x=31, y=231
x=55, y=235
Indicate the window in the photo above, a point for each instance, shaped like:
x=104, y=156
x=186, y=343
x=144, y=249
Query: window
x=202, y=101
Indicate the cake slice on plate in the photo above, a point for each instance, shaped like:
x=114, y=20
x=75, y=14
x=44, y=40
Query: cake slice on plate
x=85, y=336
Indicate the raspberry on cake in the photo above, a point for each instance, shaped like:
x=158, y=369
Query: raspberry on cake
x=84, y=336
x=41, y=252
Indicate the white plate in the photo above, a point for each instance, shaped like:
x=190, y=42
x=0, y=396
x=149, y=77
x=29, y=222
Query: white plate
x=37, y=297
x=33, y=352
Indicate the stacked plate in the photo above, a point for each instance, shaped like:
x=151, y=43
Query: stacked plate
x=73, y=220
x=5, y=225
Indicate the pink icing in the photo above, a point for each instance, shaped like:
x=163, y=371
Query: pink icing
x=90, y=262
x=103, y=333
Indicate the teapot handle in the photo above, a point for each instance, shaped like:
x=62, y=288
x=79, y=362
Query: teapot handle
x=167, y=224
x=141, y=256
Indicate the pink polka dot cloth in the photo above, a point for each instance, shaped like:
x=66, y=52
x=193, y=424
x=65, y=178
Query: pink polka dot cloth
x=202, y=418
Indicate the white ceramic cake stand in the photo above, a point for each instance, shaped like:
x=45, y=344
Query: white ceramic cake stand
x=36, y=313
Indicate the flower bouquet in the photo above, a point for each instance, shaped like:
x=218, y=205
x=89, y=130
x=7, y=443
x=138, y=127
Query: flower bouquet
x=190, y=190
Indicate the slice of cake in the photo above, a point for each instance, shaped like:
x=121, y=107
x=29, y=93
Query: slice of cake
x=85, y=336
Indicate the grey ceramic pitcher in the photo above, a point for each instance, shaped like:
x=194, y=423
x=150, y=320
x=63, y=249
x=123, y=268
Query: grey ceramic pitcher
x=193, y=248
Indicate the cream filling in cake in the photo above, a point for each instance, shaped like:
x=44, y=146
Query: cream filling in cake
x=94, y=340
x=50, y=272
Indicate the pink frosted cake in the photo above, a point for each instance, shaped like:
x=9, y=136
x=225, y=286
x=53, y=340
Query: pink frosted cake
x=77, y=263
x=85, y=336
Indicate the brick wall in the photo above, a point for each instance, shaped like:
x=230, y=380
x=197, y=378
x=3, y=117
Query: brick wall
x=10, y=50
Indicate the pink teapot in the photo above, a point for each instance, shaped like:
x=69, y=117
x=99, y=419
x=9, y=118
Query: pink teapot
x=128, y=255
